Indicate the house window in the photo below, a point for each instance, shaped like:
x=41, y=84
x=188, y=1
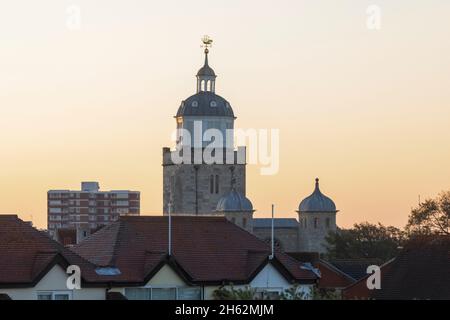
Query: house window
x=189, y=293
x=170, y=293
x=138, y=293
x=54, y=295
x=164, y=293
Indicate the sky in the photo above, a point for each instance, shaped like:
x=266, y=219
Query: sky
x=367, y=111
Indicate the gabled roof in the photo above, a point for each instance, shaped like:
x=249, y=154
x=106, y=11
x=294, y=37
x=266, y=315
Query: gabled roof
x=205, y=250
x=68, y=236
x=355, y=268
x=330, y=276
x=26, y=254
x=359, y=289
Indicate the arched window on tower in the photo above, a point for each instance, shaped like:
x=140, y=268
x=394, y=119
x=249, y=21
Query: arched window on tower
x=328, y=223
x=316, y=223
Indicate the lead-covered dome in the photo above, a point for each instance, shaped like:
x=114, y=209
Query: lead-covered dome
x=206, y=71
x=205, y=103
x=234, y=202
x=317, y=202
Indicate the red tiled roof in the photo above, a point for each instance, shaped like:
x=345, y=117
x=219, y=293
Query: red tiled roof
x=205, y=250
x=330, y=276
x=27, y=254
x=359, y=289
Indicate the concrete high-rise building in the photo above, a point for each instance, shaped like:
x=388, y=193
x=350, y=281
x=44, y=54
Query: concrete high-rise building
x=89, y=208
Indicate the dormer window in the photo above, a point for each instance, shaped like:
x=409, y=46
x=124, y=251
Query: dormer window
x=213, y=104
x=195, y=104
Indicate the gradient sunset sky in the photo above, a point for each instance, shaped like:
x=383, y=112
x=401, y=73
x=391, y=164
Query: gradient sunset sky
x=368, y=112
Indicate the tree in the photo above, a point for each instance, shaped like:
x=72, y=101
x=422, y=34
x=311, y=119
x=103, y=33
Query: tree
x=431, y=217
x=292, y=293
x=230, y=293
x=365, y=240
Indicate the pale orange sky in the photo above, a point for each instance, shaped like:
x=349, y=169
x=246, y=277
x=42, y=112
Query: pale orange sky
x=368, y=112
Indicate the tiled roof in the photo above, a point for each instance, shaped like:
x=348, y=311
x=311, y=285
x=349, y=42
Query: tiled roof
x=278, y=223
x=205, y=250
x=355, y=268
x=359, y=289
x=330, y=276
x=68, y=236
x=26, y=254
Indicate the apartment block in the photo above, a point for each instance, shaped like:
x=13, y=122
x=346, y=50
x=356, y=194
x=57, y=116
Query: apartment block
x=89, y=207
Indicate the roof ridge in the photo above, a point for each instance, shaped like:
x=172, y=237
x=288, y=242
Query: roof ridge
x=120, y=228
x=92, y=240
x=368, y=275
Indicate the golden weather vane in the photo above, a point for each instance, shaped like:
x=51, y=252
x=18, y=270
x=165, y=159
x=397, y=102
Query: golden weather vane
x=207, y=43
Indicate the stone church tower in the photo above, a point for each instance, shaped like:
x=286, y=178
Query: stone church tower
x=192, y=183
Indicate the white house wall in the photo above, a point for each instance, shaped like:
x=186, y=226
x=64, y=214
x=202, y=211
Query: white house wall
x=164, y=278
x=55, y=280
x=267, y=279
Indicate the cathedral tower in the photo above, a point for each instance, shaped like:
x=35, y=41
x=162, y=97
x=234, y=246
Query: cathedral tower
x=192, y=182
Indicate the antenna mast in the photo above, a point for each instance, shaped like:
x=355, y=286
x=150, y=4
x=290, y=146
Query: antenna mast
x=272, y=236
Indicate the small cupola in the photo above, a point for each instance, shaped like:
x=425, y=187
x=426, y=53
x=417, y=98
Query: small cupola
x=206, y=77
